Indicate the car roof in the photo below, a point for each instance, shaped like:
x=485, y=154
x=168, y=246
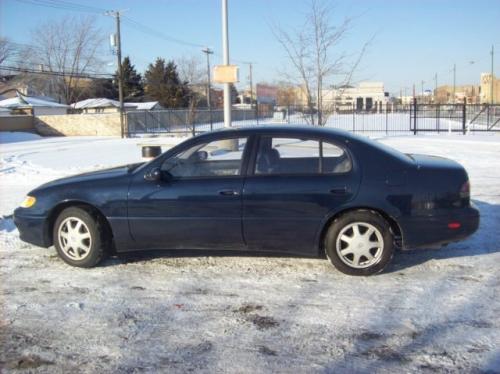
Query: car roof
x=291, y=129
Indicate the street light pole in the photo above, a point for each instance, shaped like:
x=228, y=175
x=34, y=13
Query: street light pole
x=492, y=76
x=435, y=88
x=251, y=87
x=116, y=14
x=225, y=51
x=208, y=52
x=454, y=81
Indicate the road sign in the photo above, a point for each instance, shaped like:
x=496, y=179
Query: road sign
x=226, y=74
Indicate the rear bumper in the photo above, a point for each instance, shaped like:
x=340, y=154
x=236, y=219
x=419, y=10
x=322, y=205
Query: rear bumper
x=32, y=229
x=433, y=230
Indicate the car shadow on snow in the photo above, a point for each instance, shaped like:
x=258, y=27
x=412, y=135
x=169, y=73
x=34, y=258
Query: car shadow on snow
x=486, y=240
x=139, y=256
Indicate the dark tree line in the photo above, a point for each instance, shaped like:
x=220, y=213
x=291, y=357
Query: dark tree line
x=161, y=82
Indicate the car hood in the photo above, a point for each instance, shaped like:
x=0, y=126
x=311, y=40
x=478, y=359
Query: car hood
x=93, y=176
x=434, y=162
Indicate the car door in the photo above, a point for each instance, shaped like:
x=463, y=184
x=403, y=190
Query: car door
x=197, y=202
x=293, y=184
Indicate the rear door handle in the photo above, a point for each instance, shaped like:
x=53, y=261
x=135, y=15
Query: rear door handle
x=228, y=193
x=339, y=191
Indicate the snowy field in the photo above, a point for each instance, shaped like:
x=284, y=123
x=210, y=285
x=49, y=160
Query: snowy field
x=432, y=310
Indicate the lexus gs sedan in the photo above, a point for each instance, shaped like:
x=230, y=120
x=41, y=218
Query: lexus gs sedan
x=298, y=190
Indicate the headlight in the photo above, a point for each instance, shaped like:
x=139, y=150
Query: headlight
x=28, y=202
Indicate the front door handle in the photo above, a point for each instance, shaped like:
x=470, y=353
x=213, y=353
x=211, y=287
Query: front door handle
x=228, y=193
x=339, y=190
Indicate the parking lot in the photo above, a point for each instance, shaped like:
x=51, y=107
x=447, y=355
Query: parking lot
x=432, y=310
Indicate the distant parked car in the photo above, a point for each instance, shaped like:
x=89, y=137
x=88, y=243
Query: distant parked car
x=300, y=190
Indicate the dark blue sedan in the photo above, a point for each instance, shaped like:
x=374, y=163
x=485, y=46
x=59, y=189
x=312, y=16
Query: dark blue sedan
x=298, y=190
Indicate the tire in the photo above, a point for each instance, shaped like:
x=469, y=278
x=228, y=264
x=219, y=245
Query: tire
x=359, y=243
x=79, y=238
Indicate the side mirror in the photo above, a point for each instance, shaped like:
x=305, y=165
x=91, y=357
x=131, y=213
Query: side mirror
x=153, y=175
x=202, y=155
x=199, y=156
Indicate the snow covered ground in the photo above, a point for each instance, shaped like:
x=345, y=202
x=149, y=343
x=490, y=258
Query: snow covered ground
x=432, y=310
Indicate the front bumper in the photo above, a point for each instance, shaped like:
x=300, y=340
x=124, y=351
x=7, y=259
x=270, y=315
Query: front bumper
x=32, y=229
x=433, y=230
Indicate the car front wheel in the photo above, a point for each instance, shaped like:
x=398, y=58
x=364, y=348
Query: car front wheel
x=360, y=243
x=78, y=238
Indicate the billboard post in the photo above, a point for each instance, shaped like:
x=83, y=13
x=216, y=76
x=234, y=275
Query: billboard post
x=225, y=49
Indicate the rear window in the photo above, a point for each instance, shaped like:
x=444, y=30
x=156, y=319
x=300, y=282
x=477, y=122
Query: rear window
x=382, y=147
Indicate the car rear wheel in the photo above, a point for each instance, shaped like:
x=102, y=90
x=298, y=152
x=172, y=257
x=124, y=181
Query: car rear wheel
x=78, y=238
x=359, y=243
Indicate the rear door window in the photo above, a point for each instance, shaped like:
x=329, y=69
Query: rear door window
x=294, y=155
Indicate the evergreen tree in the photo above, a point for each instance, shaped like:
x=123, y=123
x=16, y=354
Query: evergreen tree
x=234, y=94
x=132, y=81
x=101, y=87
x=162, y=83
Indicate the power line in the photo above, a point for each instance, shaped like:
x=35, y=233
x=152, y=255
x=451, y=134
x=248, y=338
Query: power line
x=57, y=73
x=64, y=5
x=41, y=66
x=149, y=30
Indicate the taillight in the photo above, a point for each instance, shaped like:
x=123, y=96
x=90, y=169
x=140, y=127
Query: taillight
x=465, y=190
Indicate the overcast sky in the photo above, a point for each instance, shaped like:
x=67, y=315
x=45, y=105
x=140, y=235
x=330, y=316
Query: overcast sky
x=413, y=39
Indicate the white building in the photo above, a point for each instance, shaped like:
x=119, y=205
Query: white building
x=103, y=105
x=37, y=106
x=368, y=96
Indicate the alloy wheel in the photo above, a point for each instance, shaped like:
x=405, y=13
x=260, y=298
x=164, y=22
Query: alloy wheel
x=360, y=245
x=74, y=238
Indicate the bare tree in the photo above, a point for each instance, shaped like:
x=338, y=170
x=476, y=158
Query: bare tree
x=70, y=50
x=314, y=53
x=191, y=71
x=5, y=49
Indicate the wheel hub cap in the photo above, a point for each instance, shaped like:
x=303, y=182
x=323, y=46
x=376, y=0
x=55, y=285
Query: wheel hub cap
x=74, y=238
x=360, y=245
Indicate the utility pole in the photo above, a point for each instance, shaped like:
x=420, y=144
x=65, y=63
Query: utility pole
x=492, y=76
x=435, y=86
x=225, y=51
x=251, y=86
x=208, y=52
x=454, y=81
x=116, y=14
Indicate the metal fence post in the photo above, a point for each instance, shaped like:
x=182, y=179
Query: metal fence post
x=386, y=119
x=464, y=116
x=487, y=116
x=438, y=118
x=188, y=120
x=169, y=120
x=353, y=119
x=414, y=116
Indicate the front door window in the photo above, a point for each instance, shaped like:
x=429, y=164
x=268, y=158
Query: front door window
x=214, y=159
